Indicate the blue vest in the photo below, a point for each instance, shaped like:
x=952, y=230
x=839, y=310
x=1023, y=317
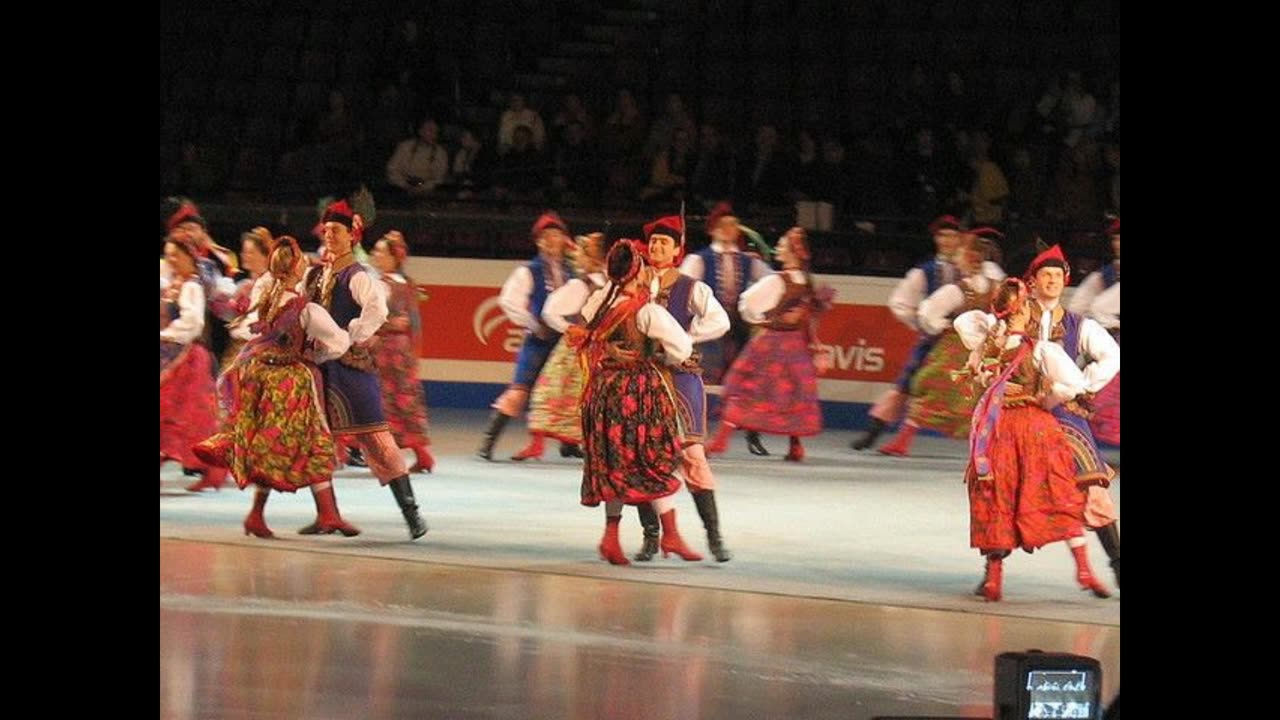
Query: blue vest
x=932, y=270
x=1071, y=334
x=342, y=305
x=1110, y=275
x=711, y=273
x=538, y=298
x=678, y=303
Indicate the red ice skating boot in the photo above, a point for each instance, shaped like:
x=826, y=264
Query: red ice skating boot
x=991, y=585
x=610, y=547
x=254, y=523
x=1084, y=575
x=213, y=478
x=796, y=453
x=327, y=518
x=671, y=541
x=425, y=462
x=531, y=451
x=900, y=445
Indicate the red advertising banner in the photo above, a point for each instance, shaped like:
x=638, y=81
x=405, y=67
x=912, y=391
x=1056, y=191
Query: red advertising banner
x=865, y=342
x=465, y=323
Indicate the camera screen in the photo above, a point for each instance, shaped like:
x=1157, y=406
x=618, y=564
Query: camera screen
x=1061, y=694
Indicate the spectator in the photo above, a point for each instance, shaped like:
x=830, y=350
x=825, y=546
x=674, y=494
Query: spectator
x=713, y=172
x=521, y=173
x=576, y=167
x=621, y=143
x=516, y=115
x=419, y=164
x=1080, y=108
x=768, y=182
x=662, y=132
x=955, y=108
x=469, y=171
x=1025, y=186
x=990, y=190
x=834, y=183
x=573, y=111
x=669, y=178
x=806, y=167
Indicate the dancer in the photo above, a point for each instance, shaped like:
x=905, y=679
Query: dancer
x=695, y=308
x=275, y=436
x=554, y=409
x=255, y=248
x=1098, y=355
x=522, y=298
x=1098, y=298
x=188, y=409
x=773, y=385
x=1021, y=478
x=936, y=402
x=396, y=351
x=353, y=399
x=629, y=419
x=920, y=282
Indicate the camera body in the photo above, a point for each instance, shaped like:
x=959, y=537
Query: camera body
x=1036, y=684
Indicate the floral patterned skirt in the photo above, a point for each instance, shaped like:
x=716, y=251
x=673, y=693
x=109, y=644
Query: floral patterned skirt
x=276, y=434
x=1106, y=414
x=188, y=407
x=554, y=406
x=937, y=401
x=630, y=435
x=403, y=401
x=1032, y=498
x=773, y=386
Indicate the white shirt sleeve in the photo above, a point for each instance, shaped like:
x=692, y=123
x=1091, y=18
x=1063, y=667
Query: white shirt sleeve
x=693, y=267
x=565, y=301
x=241, y=330
x=369, y=295
x=936, y=309
x=1066, y=380
x=759, y=269
x=1105, y=308
x=190, y=322
x=710, y=321
x=331, y=341
x=906, y=297
x=260, y=286
x=993, y=271
x=514, y=298
x=1104, y=351
x=1084, y=295
x=760, y=298
x=655, y=322
x=594, y=302
x=224, y=285
x=973, y=327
